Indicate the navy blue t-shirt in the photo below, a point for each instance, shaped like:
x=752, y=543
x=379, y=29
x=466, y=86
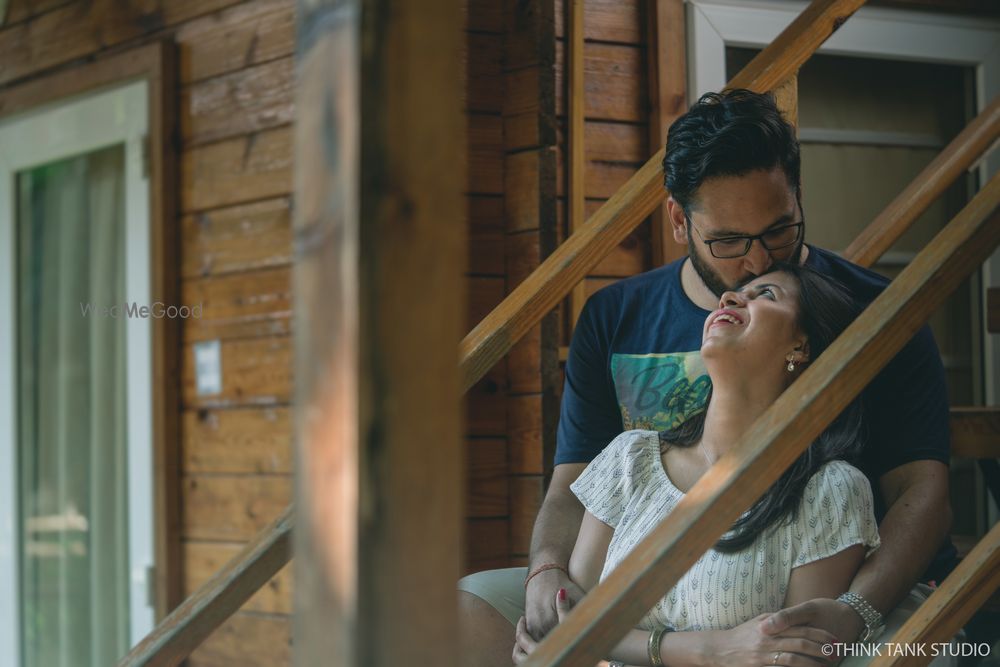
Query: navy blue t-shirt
x=634, y=363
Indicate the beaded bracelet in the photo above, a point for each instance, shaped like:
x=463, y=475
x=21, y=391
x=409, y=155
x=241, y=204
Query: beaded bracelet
x=543, y=568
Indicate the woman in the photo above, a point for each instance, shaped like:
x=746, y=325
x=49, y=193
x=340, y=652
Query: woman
x=805, y=538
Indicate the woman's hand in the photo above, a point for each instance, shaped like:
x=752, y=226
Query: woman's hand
x=748, y=645
x=524, y=643
x=539, y=611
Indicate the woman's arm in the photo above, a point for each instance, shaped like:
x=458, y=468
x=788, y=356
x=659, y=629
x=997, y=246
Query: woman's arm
x=587, y=560
x=824, y=578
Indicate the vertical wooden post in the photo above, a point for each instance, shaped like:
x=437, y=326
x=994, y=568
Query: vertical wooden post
x=668, y=99
x=379, y=243
x=575, y=153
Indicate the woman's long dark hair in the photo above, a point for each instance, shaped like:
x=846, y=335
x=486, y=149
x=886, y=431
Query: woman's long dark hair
x=826, y=308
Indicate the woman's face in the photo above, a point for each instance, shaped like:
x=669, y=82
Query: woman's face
x=758, y=323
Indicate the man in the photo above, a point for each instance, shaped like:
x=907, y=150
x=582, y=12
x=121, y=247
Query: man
x=733, y=170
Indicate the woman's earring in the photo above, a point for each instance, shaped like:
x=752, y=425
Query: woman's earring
x=791, y=366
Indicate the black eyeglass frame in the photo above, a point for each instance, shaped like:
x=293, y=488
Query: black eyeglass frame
x=750, y=238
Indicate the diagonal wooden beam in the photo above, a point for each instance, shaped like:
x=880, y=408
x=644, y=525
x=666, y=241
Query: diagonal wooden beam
x=555, y=277
x=951, y=605
x=198, y=616
x=776, y=438
x=957, y=157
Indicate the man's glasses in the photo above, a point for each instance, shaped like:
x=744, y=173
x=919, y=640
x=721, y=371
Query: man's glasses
x=730, y=247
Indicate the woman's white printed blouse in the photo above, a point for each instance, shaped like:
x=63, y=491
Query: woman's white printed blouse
x=627, y=488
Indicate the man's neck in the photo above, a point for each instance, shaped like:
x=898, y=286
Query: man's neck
x=696, y=289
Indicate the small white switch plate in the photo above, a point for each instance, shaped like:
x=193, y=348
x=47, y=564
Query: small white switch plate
x=208, y=367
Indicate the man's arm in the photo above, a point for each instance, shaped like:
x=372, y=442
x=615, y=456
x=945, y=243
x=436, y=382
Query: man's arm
x=552, y=540
x=917, y=521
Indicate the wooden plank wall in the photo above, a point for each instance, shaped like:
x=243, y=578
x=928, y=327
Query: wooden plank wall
x=235, y=106
x=529, y=195
x=616, y=143
x=486, y=402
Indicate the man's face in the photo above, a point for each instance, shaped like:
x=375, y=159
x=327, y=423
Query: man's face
x=741, y=205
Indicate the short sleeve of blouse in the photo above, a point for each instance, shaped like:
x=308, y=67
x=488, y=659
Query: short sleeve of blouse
x=606, y=485
x=836, y=512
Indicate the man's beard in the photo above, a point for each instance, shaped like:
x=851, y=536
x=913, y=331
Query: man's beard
x=714, y=281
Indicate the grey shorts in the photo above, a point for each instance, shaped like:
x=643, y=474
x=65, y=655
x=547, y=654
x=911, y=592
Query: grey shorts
x=501, y=589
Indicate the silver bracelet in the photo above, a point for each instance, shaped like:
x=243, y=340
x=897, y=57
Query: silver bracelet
x=873, y=620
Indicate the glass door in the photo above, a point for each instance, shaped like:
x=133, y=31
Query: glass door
x=75, y=445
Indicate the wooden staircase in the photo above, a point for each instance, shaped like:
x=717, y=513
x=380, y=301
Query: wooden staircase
x=778, y=436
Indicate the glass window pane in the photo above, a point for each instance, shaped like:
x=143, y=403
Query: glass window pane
x=72, y=438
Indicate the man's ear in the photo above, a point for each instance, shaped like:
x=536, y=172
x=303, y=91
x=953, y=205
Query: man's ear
x=678, y=223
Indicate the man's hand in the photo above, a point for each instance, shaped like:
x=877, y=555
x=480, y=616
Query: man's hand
x=835, y=617
x=750, y=645
x=540, y=608
x=524, y=643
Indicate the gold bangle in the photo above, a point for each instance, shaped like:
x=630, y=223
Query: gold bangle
x=653, y=647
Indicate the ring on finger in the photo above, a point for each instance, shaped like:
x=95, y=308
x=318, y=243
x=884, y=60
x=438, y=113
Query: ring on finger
x=777, y=655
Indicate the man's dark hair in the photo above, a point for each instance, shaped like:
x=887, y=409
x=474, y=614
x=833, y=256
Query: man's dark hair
x=731, y=133
x=826, y=308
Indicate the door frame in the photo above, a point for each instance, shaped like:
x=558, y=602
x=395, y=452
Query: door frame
x=154, y=63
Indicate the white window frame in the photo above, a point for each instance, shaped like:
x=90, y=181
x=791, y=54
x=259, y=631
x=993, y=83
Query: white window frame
x=871, y=32
x=64, y=129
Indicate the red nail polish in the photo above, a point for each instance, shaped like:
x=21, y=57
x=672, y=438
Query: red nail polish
x=562, y=594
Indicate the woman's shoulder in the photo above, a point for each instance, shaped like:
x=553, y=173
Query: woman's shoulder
x=635, y=442
x=837, y=487
x=838, y=474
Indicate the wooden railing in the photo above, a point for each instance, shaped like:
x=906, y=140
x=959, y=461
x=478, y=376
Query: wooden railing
x=775, y=440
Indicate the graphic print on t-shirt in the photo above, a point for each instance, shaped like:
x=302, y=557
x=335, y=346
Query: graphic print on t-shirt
x=659, y=391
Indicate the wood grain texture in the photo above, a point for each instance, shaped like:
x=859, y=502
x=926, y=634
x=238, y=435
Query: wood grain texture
x=668, y=99
x=630, y=257
x=235, y=171
x=486, y=171
x=239, y=305
x=217, y=599
x=380, y=241
x=952, y=604
x=241, y=440
x=204, y=559
x=247, y=640
x=936, y=177
x=488, y=493
x=486, y=236
x=776, y=438
x=606, y=20
x=524, y=435
x=80, y=29
x=484, y=73
x=575, y=148
x=975, y=432
x=614, y=75
x=22, y=10
x=232, y=507
x=246, y=101
x=248, y=34
x=237, y=238
x=255, y=371
x=487, y=544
